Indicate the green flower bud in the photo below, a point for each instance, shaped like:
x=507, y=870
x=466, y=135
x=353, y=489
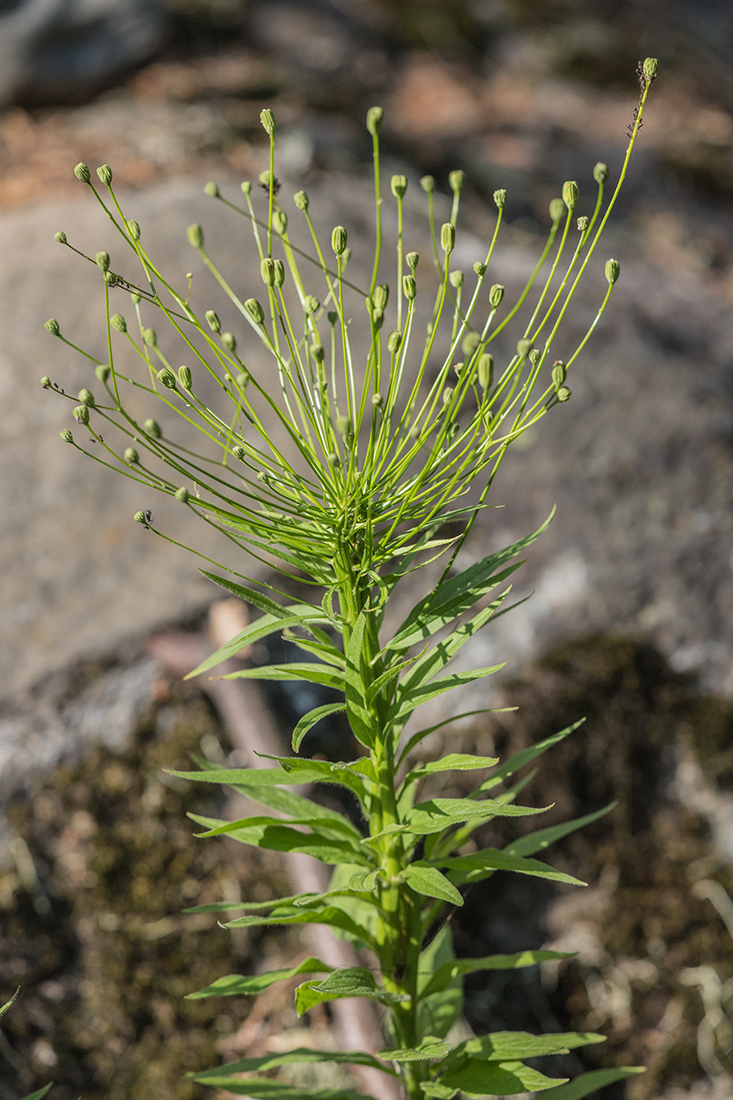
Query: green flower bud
x=239, y=453
x=212, y=189
x=343, y=426
x=82, y=172
x=229, y=341
x=470, y=343
x=377, y=400
x=167, y=378
x=118, y=322
x=381, y=295
x=409, y=287
x=131, y=456
x=182, y=494
x=105, y=174
x=570, y=194
x=45, y=382
x=523, y=348
x=141, y=517
x=185, y=377
x=378, y=318
x=300, y=198
x=563, y=394
x=279, y=221
x=399, y=186
x=486, y=371
x=60, y=237
x=338, y=240
x=448, y=237
x=394, y=342
x=557, y=210
x=134, y=297
x=457, y=368
x=86, y=397
x=255, y=310
x=311, y=304
x=152, y=428
x=455, y=179
x=456, y=279
x=212, y=319
x=496, y=295
x=150, y=337
x=583, y=224
x=346, y=256
x=133, y=228
x=600, y=172
x=447, y=394
x=102, y=260
x=650, y=68
x=195, y=236
x=500, y=198
x=613, y=270
x=81, y=413
x=318, y=352
x=246, y=187
x=52, y=326
x=279, y=273
x=267, y=271
x=413, y=259
x=559, y=373
x=66, y=436
x=102, y=372
x=268, y=121
x=333, y=459
x=242, y=380
x=374, y=118
x=428, y=184
x=480, y=269
x=534, y=356
x=332, y=316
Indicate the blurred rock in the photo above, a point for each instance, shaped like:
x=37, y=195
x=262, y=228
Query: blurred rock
x=64, y=50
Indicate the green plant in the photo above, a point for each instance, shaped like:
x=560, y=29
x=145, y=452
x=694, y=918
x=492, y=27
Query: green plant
x=347, y=472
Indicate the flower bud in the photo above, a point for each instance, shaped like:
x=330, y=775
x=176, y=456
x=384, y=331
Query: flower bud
x=212, y=319
x=66, y=436
x=245, y=187
x=102, y=260
x=195, y=236
x=394, y=342
x=45, y=382
x=60, y=237
x=343, y=426
x=600, y=172
x=381, y=296
x=86, y=397
x=448, y=237
x=133, y=228
x=239, y=453
x=229, y=341
x=141, y=517
x=583, y=224
x=338, y=240
x=182, y=494
x=534, y=356
x=557, y=210
x=377, y=400
x=559, y=373
x=496, y=294
x=134, y=297
x=150, y=337
x=458, y=368
x=185, y=377
x=500, y=198
x=300, y=198
x=650, y=68
x=456, y=279
x=524, y=347
x=333, y=459
x=131, y=456
x=105, y=174
x=332, y=316
x=455, y=179
x=470, y=343
x=118, y=322
x=152, y=428
x=399, y=186
x=311, y=304
x=480, y=269
x=346, y=256
x=255, y=310
x=267, y=271
x=279, y=221
x=212, y=189
x=570, y=194
x=447, y=394
x=378, y=318
x=167, y=378
x=413, y=259
x=613, y=269
x=279, y=273
x=102, y=372
x=52, y=326
x=81, y=413
x=563, y=394
x=242, y=380
x=374, y=118
x=486, y=371
x=268, y=121
x=428, y=184
x=318, y=353
x=82, y=172
x=409, y=287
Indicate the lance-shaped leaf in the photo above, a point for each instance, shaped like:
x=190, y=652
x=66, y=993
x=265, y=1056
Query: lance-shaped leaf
x=350, y=981
x=457, y=594
x=262, y=785
x=312, y=673
x=330, y=915
x=239, y=985
x=588, y=1083
x=299, y=1056
x=481, y=1079
x=295, y=615
x=230, y=906
x=39, y=1093
x=356, y=709
x=480, y=865
x=407, y=702
x=263, y=1088
x=427, y=880
x=526, y=756
x=309, y=720
x=503, y=1046
x=284, y=838
x=320, y=771
x=543, y=838
x=452, y=762
x=426, y=1051
x=440, y=813
x=445, y=974
x=333, y=829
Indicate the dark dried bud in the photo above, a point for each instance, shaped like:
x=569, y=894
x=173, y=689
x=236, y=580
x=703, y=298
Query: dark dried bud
x=212, y=320
x=86, y=397
x=152, y=428
x=118, y=322
x=448, y=237
x=229, y=341
x=486, y=371
x=66, y=436
x=81, y=413
x=455, y=179
x=255, y=310
x=413, y=259
x=131, y=456
x=398, y=185
x=409, y=287
x=300, y=198
x=332, y=316
x=338, y=240
x=557, y=210
x=500, y=198
x=613, y=270
x=60, y=237
x=185, y=377
x=428, y=184
x=267, y=271
x=374, y=118
x=52, y=326
x=195, y=236
x=496, y=294
x=394, y=342
x=570, y=194
x=600, y=172
x=102, y=372
x=212, y=189
x=102, y=260
x=82, y=172
x=182, y=494
x=105, y=174
x=167, y=378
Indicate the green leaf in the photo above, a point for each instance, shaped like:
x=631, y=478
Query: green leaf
x=250, y=595
x=480, y=865
x=350, y=981
x=428, y=881
x=4, y=1008
x=276, y=837
x=299, y=1056
x=450, y=970
x=407, y=703
x=356, y=709
x=261, y=628
x=329, y=829
x=238, y=985
x=39, y=1093
x=320, y=771
x=587, y=1083
x=312, y=673
x=262, y=1088
x=503, y=1046
x=438, y=1012
x=440, y=813
x=330, y=915
x=457, y=594
x=526, y=756
x=543, y=838
x=479, y=1078
x=309, y=720
x=228, y=906
x=262, y=785
x=427, y=1050
x=453, y=762
x=421, y=734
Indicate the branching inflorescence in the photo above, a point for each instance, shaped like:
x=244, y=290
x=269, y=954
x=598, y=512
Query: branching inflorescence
x=341, y=467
